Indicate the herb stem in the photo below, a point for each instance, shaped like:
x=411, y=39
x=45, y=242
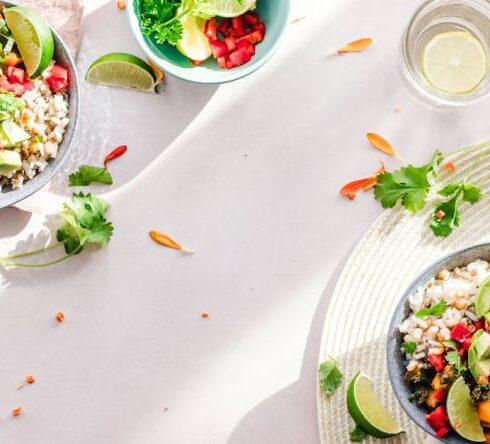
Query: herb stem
x=32, y=252
x=46, y=264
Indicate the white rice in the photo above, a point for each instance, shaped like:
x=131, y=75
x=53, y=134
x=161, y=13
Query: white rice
x=45, y=116
x=458, y=288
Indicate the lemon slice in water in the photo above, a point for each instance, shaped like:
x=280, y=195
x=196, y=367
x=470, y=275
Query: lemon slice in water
x=454, y=62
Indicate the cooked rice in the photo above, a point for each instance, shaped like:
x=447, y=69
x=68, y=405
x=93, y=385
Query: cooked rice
x=45, y=115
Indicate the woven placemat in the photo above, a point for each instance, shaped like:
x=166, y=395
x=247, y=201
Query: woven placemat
x=391, y=254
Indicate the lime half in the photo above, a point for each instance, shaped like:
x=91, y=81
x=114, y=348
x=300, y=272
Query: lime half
x=454, y=62
x=482, y=300
x=33, y=37
x=194, y=43
x=226, y=8
x=462, y=413
x=122, y=70
x=367, y=411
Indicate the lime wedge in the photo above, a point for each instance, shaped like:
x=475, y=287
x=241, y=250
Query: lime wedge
x=454, y=62
x=33, y=37
x=482, y=300
x=194, y=43
x=122, y=70
x=367, y=411
x=225, y=8
x=462, y=413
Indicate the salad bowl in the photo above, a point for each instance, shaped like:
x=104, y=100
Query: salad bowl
x=275, y=15
x=62, y=56
x=395, y=357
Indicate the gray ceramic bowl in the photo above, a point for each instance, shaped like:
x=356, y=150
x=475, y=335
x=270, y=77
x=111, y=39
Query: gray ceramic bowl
x=395, y=360
x=62, y=56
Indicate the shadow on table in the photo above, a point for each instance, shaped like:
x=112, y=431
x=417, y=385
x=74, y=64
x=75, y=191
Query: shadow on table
x=111, y=116
x=281, y=408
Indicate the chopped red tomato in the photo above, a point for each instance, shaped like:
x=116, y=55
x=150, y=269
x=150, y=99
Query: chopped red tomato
x=58, y=79
x=479, y=325
x=440, y=395
x=211, y=29
x=460, y=333
x=437, y=361
x=16, y=75
x=443, y=432
x=438, y=418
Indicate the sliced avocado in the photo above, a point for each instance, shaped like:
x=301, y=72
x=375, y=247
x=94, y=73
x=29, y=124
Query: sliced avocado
x=9, y=161
x=473, y=361
x=12, y=134
x=483, y=346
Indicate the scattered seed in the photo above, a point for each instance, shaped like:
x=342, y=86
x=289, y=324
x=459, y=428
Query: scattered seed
x=381, y=144
x=60, y=317
x=17, y=411
x=30, y=379
x=355, y=46
x=19, y=387
x=204, y=314
x=296, y=20
x=397, y=109
x=167, y=241
x=121, y=4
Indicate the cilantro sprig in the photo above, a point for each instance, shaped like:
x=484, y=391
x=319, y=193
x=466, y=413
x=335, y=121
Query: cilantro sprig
x=409, y=347
x=85, y=223
x=453, y=358
x=329, y=375
x=436, y=310
x=87, y=174
x=357, y=434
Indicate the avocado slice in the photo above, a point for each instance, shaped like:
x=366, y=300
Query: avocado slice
x=473, y=361
x=12, y=134
x=9, y=161
x=483, y=346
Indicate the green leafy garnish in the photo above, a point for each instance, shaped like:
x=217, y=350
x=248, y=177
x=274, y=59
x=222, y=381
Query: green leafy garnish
x=357, y=434
x=445, y=216
x=436, y=310
x=409, y=347
x=453, y=358
x=329, y=375
x=450, y=344
x=87, y=174
x=85, y=223
x=9, y=105
x=409, y=185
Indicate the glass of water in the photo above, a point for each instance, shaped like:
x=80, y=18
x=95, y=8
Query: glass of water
x=444, y=51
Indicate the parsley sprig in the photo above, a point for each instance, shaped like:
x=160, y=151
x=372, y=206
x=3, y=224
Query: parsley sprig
x=84, y=224
x=410, y=185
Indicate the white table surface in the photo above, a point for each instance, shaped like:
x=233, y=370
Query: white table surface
x=247, y=175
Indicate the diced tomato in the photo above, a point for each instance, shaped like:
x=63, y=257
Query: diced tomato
x=211, y=29
x=237, y=22
x=240, y=57
x=230, y=43
x=440, y=395
x=5, y=85
x=237, y=32
x=60, y=72
x=437, y=361
x=459, y=333
x=18, y=89
x=219, y=48
x=467, y=343
x=443, y=432
x=16, y=75
x=479, y=325
x=260, y=26
x=247, y=46
x=251, y=18
x=221, y=62
x=229, y=64
x=28, y=85
x=438, y=418
x=225, y=24
x=56, y=84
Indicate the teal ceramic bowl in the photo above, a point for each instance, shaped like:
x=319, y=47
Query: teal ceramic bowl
x=275, y=14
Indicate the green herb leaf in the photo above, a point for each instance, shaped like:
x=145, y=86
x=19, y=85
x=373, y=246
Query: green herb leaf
x=450, y=344
x=409, y=347
x=471, y=193
x=449, y=189
x=357, y=434
x=158, y=19
x=443, y=226
x=436, y=310
x=87, y=174
x=453, y=358
x=330, y=376
x=9, y=105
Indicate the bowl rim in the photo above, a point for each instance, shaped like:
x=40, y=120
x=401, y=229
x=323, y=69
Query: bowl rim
x=233, y=75
x=393, y=335
x=42, y=179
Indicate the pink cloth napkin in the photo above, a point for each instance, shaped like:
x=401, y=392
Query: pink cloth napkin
x=66, y=17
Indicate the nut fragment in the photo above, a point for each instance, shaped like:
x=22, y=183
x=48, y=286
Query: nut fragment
x=30, y=379
x=60, y=316
x=204, y=314
x=121, y=4
x=17, y=411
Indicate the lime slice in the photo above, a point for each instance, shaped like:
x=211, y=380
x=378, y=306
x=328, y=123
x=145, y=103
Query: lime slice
x=33, y=37
x=122, y=70
x=194, y=43
x=367, y=411
x=482, y=300
x=225, y=8
x=454, y=62
x=462, y=413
